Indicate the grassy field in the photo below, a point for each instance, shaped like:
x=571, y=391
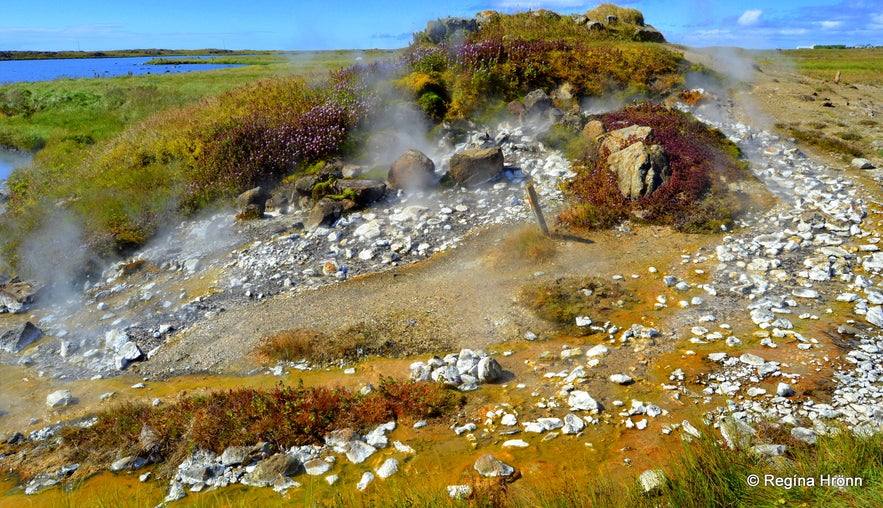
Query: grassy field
x=863, y=65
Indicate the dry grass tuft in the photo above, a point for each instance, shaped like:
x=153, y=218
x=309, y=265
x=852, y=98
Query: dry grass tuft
x=529, y=244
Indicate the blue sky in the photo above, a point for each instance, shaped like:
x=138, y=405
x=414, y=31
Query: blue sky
x=92, y=25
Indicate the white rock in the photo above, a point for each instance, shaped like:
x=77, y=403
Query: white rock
x=459, y=491
x=784, y=390
x=599, y=350
x=573, y=424
x=579, y=400
x=621, y=379
x=388, y=468
x=875, y=316
x=515, y=443
x=367, y=478
x=358, y=451
x=60, y=398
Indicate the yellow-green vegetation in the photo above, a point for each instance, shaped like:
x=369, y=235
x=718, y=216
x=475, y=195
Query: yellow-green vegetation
x=842, y=142
x=390, y=335
x=119, y=156
x=857, y=65
x=510, y=55
x=529, y=244
x=563, y=299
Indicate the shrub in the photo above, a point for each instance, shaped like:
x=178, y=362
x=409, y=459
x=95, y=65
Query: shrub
x=284, y=416
x=694, y=199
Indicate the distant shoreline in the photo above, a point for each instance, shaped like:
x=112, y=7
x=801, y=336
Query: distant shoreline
x=122, y=53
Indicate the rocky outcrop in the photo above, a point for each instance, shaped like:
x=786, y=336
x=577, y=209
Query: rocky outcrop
x=15, y=296
x=20, y=337
x=252, y=203
x=412, y=171
x=618, y=139
x=325, y=211
x=445, y=29
x=537, y=104
x=647, y=33
x=640, y=169
x=640, y=166
x=476, y=166
x=363, y=192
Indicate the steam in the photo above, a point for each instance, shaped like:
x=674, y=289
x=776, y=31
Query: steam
x=55, y=256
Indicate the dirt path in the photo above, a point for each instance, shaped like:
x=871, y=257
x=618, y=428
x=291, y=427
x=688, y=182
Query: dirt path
x=462, y=298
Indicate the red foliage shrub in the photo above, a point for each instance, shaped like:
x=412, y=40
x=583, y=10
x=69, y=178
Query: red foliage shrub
x=701, y=159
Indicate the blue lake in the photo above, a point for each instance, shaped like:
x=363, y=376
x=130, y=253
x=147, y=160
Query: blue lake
x=12, y=71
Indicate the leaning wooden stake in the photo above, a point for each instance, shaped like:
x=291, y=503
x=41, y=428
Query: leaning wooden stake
x=535, y=205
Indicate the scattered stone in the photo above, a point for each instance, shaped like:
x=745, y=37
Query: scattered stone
x=621, y=379
x=367, y=478
x=652, y=480
x=489, y=466
x=803, y=434
x=581, y=401
x=267, y=470
x=861, y=163
x=20, y=337
x=459, y=492
x=388, y=468
x=60, y=398
x=784, y=390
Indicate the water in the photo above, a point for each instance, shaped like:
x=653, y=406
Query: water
x=13, y=71
x=11, y=159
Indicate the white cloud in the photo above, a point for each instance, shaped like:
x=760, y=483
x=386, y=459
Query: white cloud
x=793, y=31
x=750, y=17
x=831, y=25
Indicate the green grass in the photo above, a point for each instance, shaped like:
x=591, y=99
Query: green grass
x=857, y=65
x=123, y=154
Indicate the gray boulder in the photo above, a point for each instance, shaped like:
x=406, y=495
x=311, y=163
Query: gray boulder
x=618, y=139
x=647, y=33
x=60, y=398
x=364, y=192
x=325, y=211
x=267, y=470
x=252, y=203
x=128, y=353
x=20, y=337
x=441, y=30
x=489, y=466
x=537, y=103
x=862, y=163
x=476, y=166
x=412, y=171
x=639, y=169
x=489, y=370
x=15, y=296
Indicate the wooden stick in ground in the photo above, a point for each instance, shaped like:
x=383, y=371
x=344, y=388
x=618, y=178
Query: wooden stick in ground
x=534, y=201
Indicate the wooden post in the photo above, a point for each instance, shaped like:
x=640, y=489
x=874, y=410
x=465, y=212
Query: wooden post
x=535, y=205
